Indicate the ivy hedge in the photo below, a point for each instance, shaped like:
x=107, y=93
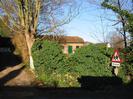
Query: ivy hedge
x=92, y=60
x=51, y=65
x=55, y=69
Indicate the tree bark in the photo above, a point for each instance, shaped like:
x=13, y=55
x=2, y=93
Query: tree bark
x=30, y=40
x=123, y=25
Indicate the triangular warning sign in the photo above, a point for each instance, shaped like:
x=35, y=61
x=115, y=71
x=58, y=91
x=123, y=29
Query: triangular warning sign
x=116, y=57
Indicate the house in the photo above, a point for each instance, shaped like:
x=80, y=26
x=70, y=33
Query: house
x=69, y=43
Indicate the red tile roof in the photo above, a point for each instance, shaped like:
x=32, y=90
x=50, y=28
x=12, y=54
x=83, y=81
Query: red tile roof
x=73, y=39
x=64, y=39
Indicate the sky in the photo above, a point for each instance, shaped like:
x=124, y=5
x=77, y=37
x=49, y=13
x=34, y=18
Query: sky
x=92, y=23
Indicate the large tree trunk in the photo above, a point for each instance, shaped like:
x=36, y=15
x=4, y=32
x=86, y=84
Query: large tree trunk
x=20, y=44
x=23, y=43
x=30, y=40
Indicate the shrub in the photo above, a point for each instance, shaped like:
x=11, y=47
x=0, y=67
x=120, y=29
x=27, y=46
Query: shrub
x=55, y=70
x=51, y=65
x=127, y=65
x=92, y=60
x=48, y=55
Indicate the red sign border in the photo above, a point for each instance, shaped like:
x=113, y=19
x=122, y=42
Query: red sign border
x=116, y=51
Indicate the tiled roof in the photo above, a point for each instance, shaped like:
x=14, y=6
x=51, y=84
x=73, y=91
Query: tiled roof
x=64, y=39
x=72, y=39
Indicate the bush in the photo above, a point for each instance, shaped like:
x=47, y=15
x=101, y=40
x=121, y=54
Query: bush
x=48, y=55
x=92, y=60
x=127, y=65
x=129, y=60
x=55, y=70
x=51, y=65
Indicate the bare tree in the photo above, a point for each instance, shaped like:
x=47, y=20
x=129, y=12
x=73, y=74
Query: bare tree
x=101, y=34
x=122, y=20
x=4, y=30
x=28, y=16
x=116, y=40
x=123, y=23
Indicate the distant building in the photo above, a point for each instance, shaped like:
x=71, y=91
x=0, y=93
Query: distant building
x=69, y=43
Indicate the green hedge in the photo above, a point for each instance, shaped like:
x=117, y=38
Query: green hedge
x=127, y=65
x=51, y=65
x=92, y=60
x=48, y=55
x=57, y=70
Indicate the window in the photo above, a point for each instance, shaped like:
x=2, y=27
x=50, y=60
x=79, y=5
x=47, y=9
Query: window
x=77, y=46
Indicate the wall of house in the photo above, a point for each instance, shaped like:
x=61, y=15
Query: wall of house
x=74, y=47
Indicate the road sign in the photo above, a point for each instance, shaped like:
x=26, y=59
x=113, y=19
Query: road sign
x=116, y=57
x=115, y=64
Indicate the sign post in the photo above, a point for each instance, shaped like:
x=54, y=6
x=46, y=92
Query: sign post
x=116, y=62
